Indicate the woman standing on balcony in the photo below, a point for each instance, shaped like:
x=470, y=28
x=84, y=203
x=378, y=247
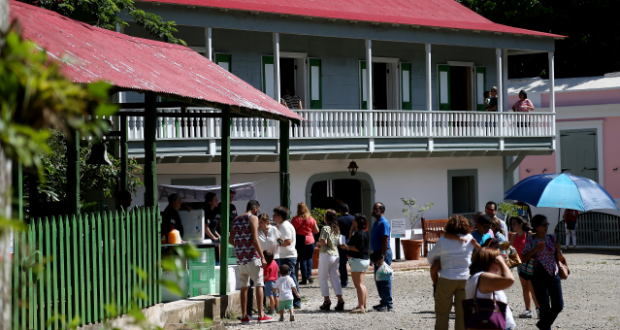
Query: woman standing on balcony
x=305, y=225
x=524, y=104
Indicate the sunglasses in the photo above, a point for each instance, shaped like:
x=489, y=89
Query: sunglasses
x=487, y=226
x=490, y=209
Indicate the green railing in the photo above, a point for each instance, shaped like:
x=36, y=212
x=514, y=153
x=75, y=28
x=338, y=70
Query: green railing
x=87, y=266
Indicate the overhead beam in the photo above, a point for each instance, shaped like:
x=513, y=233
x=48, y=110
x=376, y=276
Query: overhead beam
x=515, y=163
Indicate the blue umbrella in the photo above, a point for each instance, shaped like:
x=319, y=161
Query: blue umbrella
x=562, y=190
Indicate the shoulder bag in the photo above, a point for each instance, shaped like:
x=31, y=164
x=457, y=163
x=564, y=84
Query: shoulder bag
x=563, y=270
x=484, y=313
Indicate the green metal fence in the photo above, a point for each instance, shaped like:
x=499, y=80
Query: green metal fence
x=80, y=265
x=593, y=229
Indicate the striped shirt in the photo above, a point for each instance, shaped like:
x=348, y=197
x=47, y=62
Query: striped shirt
x=292, y=101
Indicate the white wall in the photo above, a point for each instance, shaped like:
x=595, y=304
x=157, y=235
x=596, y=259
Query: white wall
x=425, y=179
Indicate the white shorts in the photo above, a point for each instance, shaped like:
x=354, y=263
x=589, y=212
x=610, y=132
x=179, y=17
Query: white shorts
x=251, y=270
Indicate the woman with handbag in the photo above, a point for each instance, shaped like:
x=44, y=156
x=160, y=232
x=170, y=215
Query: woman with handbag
x=305, y=227
x=489, y=277
x=546, y=278
x=523, y=230
x=329, y=260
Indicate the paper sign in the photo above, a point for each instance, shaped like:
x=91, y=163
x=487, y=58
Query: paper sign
x=343, y=240
x=399, y=228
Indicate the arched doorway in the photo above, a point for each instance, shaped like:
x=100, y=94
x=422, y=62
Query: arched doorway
x=327, y=190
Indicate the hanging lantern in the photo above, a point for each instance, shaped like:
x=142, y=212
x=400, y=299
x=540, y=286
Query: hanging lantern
x=353, y=168
x=99, y=155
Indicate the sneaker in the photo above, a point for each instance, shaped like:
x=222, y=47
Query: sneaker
x=377, y=307
x=292, y=317
x=281, y=319
x=246, y=320
x=310, y=280
x=527, y=314
x=265, y=319
x=537, y=312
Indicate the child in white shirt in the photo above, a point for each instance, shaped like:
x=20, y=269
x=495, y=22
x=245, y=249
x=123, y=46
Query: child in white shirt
x=286, y=287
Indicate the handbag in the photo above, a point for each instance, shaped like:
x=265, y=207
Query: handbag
x=300, y=240
x=528, y=268
x=513, y=258
x=484, y=313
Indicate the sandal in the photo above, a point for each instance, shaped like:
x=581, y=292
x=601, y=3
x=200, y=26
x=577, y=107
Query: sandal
x=339, y=306
x=358, y=311
x=326, y=305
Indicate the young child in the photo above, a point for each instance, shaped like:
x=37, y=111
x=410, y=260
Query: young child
x=270, y=273
x=174, y=236
x=487, y=98
x=436, y=266
x=286, y=287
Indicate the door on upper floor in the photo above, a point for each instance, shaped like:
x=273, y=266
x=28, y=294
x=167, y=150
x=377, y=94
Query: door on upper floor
x=391, y=84
x=461, y=86
x=299, y=75
x=578, y=153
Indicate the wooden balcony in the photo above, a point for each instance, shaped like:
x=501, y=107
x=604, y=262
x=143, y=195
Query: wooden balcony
x=343, y=134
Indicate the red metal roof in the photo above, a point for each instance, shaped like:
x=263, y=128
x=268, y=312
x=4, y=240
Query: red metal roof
x=88, y=54
x=431, y=13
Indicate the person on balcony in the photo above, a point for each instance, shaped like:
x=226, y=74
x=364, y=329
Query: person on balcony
x=524, y=104
x=291, y=100
x=494, y=99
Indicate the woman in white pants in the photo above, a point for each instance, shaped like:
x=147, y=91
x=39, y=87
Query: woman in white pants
x=329, y=261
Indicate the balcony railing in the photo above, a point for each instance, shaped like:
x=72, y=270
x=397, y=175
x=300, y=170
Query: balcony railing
x=358, y=124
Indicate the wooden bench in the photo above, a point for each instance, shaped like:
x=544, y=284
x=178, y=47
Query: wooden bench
x=432, y=230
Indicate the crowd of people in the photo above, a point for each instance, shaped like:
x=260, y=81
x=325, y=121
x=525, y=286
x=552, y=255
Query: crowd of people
x=474, y=258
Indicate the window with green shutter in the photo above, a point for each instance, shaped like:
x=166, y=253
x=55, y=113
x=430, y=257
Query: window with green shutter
x=443, y=80
x=316, y=83
x=481, y=83
x=405, y=83
x=224, y=60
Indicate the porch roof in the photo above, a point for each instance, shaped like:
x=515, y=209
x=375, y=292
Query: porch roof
x=88, y=54
x=431, y=13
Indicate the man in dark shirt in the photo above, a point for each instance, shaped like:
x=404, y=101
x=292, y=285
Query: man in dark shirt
x=172, y=213
x=345, y=220
x=291, y=100
x=232, y=211
x=494, y=99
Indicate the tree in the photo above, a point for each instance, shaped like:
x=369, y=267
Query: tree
x=103, y=14
x=593, y=44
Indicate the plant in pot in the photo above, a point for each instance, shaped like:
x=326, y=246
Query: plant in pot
x=319, y=216
x=413, y=212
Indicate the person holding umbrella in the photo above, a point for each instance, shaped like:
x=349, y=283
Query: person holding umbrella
x=545, y=279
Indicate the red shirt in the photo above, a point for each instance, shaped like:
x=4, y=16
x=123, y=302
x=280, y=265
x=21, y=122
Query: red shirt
x=270, y=273
x=304, y=228
x=571, y=215
x=519, y=243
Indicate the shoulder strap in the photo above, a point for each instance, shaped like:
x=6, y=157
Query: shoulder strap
x=302, y=223
x=476, y=292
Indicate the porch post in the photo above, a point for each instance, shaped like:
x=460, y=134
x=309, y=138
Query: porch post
x=277, y=88
x=369, y=74
x=124, y=128
x=506, y=105
x=150, y=163
x=551, y=82
x=500, y=96
x=209, y=43
x=225, y=200
x=73, y=173
x=429, y=96
x=285, y=178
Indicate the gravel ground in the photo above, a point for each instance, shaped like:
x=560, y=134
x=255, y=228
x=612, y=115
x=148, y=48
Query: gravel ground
x=591, y=299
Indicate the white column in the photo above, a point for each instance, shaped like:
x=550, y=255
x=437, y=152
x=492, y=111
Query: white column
x=551, y=83
x=500, y=103
x=209, y=43
x=369, y=73
x=429, y=79
x=429, y=93
x=506, y=106
x=276, y=66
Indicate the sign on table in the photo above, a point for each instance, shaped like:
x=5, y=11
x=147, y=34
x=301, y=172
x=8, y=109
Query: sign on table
x=399, y=228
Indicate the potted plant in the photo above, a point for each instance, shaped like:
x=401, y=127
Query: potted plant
x=413, y=212
x=319, y=216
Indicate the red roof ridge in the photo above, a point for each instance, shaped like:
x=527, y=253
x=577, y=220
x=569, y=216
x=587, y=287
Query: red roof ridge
x=432, y=13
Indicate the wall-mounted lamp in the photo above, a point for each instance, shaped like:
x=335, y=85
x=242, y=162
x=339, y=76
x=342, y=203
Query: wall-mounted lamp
x=527, y=170
x=352, y=168
x=544, y=170
x=616, y=169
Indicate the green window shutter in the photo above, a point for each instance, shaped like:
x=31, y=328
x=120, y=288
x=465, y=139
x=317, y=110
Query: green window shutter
x=443, y=79
x=224, y=60
x=363, y=89
x=481, y=82
x=267, y=75
x=405, y=83
x=316, y=83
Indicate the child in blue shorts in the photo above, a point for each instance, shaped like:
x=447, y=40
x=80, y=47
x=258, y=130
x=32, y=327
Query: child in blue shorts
x=270, y=273
x=285, y=286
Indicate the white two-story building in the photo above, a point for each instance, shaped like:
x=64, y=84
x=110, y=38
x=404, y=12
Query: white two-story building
x=396, y=86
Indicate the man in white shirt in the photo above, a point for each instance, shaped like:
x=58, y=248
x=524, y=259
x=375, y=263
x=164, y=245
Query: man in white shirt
x=286, y=243
x=491, y=210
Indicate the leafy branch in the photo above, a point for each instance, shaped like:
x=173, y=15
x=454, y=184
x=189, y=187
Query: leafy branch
x=413, y=211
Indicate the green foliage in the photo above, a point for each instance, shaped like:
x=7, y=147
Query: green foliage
x=104, y=14
x=592, y=47
x=510, y=210
x=413, y=211
x=319, y=216
x=35, y=97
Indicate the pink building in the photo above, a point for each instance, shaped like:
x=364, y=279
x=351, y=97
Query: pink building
x=587, y=128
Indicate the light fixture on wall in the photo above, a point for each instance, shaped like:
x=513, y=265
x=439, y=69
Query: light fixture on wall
x=544, y=170
x=353, y=167
x=616, y=169
x=527, y=170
